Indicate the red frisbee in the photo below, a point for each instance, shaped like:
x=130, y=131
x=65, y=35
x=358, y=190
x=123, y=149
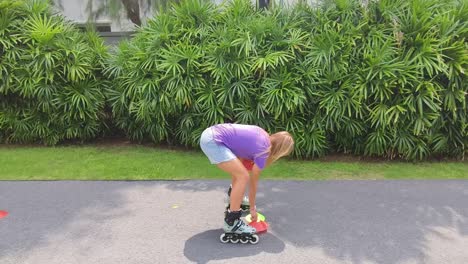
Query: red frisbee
x=260, y=226
x=248, y=164
x=3, y=213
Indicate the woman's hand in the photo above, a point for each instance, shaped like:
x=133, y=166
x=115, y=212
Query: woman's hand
x=253, y=214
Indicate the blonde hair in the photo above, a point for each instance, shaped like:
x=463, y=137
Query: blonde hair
x=282, y=144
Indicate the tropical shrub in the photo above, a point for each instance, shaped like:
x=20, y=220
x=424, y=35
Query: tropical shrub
x=51, y=86
x=385, y=78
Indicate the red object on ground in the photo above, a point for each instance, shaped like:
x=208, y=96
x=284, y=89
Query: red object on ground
x=248, y=164
x=3, y=213
x=261, y=226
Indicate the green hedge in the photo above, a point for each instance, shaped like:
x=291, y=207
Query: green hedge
x=385, y=79
x=51, y=87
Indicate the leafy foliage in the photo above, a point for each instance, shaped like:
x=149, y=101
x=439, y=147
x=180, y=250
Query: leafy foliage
x=51, y=86
x=386, y=78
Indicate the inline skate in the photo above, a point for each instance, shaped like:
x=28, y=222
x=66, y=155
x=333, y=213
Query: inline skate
x=236, y=230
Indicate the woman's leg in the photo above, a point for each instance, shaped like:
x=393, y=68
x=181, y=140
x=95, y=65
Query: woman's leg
x=240, y=178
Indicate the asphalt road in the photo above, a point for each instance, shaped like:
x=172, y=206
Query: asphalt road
x=324, y=222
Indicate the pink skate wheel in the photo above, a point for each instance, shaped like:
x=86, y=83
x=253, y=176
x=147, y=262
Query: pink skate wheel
x=3, y=213
x=261, y=226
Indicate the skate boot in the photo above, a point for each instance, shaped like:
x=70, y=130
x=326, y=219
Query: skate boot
x=245, y=205
x=235, y=229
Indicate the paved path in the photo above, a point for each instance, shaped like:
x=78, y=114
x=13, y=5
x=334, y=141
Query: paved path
x=147, y=222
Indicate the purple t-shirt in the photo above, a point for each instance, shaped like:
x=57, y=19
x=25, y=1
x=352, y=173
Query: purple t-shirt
x=245, y=141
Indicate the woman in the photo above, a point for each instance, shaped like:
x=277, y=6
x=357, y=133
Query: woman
x=226, y=145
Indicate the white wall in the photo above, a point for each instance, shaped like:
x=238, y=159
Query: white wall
x=79, y=12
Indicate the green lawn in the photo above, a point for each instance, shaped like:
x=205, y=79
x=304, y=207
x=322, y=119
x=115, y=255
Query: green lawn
x=146, y=163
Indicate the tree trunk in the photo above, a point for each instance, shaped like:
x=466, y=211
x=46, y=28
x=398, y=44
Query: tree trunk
x=133, y=10
x=263, y=4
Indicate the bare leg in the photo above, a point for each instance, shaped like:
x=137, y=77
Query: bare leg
x=240, y=178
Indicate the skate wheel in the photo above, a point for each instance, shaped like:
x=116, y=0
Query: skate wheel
x=244, y=240
x=223, y=238
x=254, y=240
x=235, y=240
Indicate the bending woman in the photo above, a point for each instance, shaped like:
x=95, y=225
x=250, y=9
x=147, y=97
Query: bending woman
x=226, y=145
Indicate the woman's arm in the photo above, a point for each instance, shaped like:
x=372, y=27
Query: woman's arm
x=255, y=175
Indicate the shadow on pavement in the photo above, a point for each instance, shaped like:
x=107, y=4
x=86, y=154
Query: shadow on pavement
x=385, y=222
x=356, y=221
x=76, y=209
x=203, y=248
